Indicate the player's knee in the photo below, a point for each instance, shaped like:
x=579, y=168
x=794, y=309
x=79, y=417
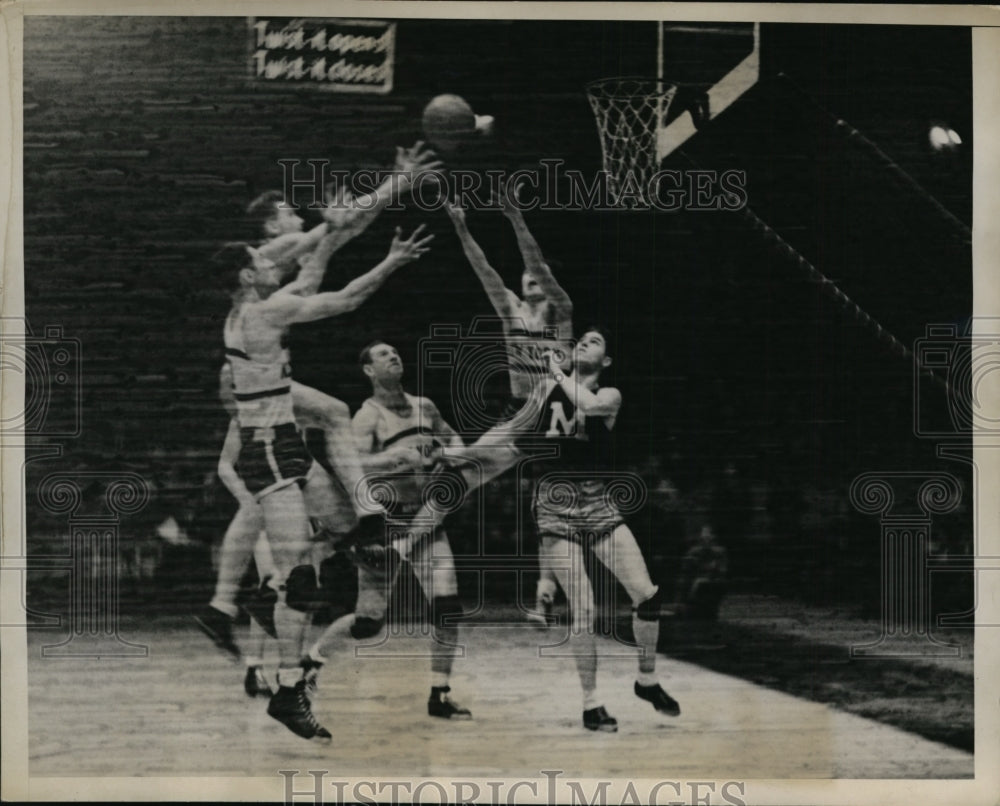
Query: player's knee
x=649, y=610
x=301, y=589
x=445, y=611
x=365, y=627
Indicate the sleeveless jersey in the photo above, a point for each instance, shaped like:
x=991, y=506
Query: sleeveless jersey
x=262, y=390
x=412, y=431
x=526, y=349
x=585, y=444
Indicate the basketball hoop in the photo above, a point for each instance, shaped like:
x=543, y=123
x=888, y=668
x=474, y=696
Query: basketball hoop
x=630, y=111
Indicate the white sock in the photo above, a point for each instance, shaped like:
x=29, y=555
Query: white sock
x=646, y=678
x=590, y=700
x=253, y=660
x=439, y=680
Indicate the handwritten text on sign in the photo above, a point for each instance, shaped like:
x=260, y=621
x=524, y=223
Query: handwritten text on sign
x=337, y=55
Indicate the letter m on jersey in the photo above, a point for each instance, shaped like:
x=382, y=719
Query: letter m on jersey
x=562, y=426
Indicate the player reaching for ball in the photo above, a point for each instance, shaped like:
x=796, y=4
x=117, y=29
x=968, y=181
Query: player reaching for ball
x=336, y=507
x=287, y=245
x=573, y=509
x=273, y=460
x=534, y=324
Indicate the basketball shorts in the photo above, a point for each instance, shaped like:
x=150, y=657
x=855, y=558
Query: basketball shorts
x=576, y=510
x=272, y=458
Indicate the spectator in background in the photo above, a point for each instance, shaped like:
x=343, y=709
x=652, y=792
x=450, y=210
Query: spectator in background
x=702, y=581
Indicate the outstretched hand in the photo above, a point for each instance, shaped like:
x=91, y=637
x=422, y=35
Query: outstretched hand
x=340, y=209
x=416, y=160
x=411, y=249
x=455, y=213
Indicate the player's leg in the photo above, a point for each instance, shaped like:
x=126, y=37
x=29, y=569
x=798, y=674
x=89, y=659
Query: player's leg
x=328, y=503
x=366, y=624
x=312, y=407
x=545, y=593
x=255, y=683
x=566, y=559
x=484, y=460
x=288, y=531
x=620, y=553
x=495, y=452
x=434, y=567
x=216, y=620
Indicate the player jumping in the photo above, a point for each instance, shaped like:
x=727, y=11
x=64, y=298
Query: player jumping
x=335, y=507
x=273, y=460
x=573, y=510
x=534, y=324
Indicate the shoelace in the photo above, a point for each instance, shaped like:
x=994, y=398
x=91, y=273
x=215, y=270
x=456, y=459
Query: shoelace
x=307, y=713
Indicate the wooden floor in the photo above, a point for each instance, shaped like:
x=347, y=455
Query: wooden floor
x=182, y=711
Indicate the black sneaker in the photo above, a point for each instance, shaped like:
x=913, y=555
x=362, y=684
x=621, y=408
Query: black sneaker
x=661, y=701
x=440, y=705
x=260, y=607
x=599, y=719
x=219, y=627
x=310, y=673
x=255, y=684
x=290, y=706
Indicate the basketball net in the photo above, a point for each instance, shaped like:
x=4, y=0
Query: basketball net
x=629, y=112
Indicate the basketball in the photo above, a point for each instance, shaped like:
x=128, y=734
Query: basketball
x=448, y=121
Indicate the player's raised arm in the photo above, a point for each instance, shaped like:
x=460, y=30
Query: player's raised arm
x=605, y=402
x=534, y=260
x=500, y=296
x=351, y=215
x=283, y=308
x=227, y=466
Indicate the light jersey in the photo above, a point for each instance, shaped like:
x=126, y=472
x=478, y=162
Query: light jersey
x=412, y=431
x=585, y=444
x=526, y=357
x=262, y=389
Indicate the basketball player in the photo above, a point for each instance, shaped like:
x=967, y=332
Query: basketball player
x=573, y=511
x=401, y=437
x=534, y=324
x=273, y=460
x=286, y=244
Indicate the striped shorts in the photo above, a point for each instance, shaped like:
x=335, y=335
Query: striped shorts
x=272, y=458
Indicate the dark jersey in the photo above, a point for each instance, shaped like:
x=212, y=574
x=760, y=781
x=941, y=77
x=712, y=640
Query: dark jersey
x=583, y=444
